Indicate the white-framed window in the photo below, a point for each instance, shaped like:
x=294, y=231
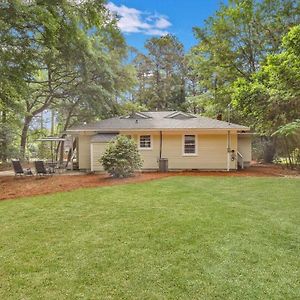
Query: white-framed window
x=189, y=144
x=145, y=142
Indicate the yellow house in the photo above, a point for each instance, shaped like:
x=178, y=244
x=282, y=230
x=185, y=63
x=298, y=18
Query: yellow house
x=187, y=141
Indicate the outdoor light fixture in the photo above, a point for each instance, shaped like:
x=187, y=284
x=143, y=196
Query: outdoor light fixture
x=232, y=155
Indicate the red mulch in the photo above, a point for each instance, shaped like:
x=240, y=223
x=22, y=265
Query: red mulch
x=11, y=187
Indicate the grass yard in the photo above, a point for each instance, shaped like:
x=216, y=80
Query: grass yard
x=173, y=238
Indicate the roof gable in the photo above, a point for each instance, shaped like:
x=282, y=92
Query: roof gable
x=180, y=115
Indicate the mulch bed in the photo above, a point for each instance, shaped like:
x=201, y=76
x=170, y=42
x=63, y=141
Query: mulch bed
x=11, y=187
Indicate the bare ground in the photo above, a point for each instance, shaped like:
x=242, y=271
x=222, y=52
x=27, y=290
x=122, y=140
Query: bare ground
x=11, y=187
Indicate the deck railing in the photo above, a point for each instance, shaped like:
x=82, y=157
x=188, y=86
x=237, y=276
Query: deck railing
x=240, y=159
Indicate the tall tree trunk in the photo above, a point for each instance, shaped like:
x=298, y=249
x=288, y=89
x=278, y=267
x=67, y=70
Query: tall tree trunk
x=25, y=128
x=52, y=133
x=42, y=120
x=61, y=144
x=4, y=141
x=269, y=149
x=288, y=153
x=71, y=151
x=62, y=148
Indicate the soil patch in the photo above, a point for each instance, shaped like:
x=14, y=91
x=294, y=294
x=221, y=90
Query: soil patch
x=11, y=187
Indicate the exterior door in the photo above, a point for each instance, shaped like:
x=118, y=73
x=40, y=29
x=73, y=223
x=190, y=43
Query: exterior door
x=97, y=149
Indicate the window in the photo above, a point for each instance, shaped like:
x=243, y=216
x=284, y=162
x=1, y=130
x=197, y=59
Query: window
x=145, y=142
x=189, y=147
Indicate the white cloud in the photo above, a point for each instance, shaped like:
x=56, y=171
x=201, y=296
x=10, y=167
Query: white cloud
x=154, y=31
x=162, y=23
x=132, y=20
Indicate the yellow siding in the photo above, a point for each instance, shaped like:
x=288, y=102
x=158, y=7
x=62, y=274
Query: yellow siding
x=211, y=151
x=149, y=157
x=97, y=151
x=84, y=152
x=211, y=154
x=244, y=147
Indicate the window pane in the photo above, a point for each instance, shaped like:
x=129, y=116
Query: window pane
x=190, y=138
x=189, y=144
x=145, y=141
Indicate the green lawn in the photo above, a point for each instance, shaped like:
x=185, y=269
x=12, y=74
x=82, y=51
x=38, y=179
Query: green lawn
x=175, y=238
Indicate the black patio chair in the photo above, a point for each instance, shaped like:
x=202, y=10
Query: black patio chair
x=18, y=169
x=41, y=169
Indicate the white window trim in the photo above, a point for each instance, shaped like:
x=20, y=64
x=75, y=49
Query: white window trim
x=151, y=142
x=196, y=145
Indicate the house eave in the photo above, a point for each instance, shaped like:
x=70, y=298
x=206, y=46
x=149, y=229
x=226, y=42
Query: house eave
x=77, y=131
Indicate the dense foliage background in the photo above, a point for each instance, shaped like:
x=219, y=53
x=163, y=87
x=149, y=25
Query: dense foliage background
x=69, y=63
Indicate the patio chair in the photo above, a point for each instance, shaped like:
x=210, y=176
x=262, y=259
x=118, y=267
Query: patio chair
x=41, y=169
x=18, y=169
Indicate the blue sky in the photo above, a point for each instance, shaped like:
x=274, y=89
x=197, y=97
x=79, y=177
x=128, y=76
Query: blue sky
x=142, y=19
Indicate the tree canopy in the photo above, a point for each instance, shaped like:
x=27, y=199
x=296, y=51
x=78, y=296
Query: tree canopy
x=236, y=41
x=161, y=74
x=62, y=54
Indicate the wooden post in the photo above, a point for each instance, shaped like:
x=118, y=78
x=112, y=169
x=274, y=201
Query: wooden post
x=228, y=150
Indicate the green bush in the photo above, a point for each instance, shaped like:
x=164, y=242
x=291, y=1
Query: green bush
x=121, y=158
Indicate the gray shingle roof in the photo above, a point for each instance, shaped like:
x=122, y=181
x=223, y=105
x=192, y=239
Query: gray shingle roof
x=167, y=120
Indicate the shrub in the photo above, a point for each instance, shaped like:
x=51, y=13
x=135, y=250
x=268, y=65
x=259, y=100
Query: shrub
x=121, y=158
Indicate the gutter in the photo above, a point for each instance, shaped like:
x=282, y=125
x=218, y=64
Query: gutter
x=155, y=129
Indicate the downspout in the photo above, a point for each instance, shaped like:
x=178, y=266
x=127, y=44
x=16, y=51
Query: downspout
x=160, y=145
x=228, y=140
x=228, y=150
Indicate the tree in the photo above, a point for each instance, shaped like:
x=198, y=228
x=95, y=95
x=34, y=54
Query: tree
x=60, y=51
x=290, y=135
x=271, y=99
x=161, y=74
x=100, y=95
x=129, y=107
x=12, y=89
x=272, y=96
x=10, y=114
x=121, y=158
x=235, y=42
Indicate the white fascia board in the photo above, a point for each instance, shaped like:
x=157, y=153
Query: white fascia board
x=76, y=131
